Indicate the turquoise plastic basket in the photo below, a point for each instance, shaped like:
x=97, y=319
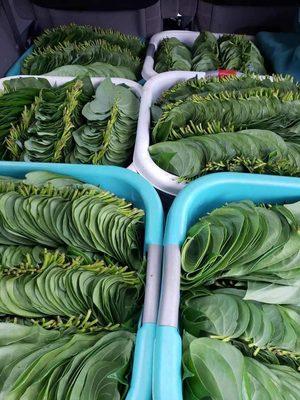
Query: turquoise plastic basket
x=198, y=198
x=132, y=187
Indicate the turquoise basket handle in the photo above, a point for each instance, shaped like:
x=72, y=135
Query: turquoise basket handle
x=141, y=381
x=167, y=364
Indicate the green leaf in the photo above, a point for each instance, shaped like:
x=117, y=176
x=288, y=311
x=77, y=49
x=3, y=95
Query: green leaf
x=12, y=85
x=217, y=368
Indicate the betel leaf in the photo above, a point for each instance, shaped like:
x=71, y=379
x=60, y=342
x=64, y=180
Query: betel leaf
x=44, y=60
x=112, y=293
x=219, y=371
x=64, y=306
x=109, y=135
x=205, y=52
x=208, y=53
x=273, y=293
x=239, y=53
x=12, y=85
x=253, y=150
x=254, y=108
x=66, y=124
x=242, y=242
x=228, y=315
x=93, y=70
x=172, y=55
x=215, y=369
x=205, y=111
x=198, y=86
x=14, y=106
x=42, y=131
x=80, y=33
x=60, y=365
x=82, y=216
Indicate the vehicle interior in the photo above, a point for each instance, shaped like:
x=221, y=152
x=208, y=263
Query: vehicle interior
x=149, y=200
x=22, y=20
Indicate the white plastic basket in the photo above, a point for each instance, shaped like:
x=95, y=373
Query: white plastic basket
x=59, y=80
x=186, y=37
x=142, y=161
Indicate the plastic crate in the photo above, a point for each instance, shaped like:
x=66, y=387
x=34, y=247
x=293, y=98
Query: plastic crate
x=125, y=184
x=198, y=198
x=59, y=80
x=186, y=37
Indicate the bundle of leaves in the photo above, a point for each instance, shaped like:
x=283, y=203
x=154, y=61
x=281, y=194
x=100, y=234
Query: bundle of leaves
x=172, y=55
x=81, y=216
x=71, y=278
x=262, y=108
x=67, y=363
x=109, y=135
x=253, y=150
x=75, y=45
x=93, y=70
x=217, y=370
x=267, y=332
x=205, y=53
x=73, y=33
x=240, y=303
x=206, y=125
x=203, y=87
x=209, y=53
x=52, y=123
x=243, y=241
x=14, y=105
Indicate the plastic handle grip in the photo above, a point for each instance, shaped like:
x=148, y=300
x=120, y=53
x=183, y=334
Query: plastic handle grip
x=141, y=382
x=167, y=364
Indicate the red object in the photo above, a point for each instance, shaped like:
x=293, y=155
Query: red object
x=225, y=72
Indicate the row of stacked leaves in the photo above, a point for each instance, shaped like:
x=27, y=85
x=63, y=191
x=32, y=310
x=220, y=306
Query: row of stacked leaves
x=208, y=53
x=71, y=287
x=72, y=49
x=246, y=123
x=69, y=123
x=240, y=304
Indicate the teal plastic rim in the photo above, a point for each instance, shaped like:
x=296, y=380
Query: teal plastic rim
x=125, y=184
x=15, y=69
x=198, y=198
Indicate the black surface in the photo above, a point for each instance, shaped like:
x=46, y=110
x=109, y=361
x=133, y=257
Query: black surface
x=262, y=3
x=95, y=5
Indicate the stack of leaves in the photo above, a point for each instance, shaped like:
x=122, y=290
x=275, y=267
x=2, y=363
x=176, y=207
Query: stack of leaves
x=71, y=288
x=172, y=55
x=219, y=371
x=65, y=49
x=236, y=124
x=13, y=106
x=43, y=362
x=240, y=304
x=242, y=241
x=66, y=124
x=205, y=53
x=109, y=135
x=232, y=52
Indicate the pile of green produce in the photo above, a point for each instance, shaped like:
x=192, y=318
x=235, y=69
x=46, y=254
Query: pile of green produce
x=240, y=304
x=70, y=123
x=72, y=282
x=228, y=124
x=73, y=49
x=234, y=52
